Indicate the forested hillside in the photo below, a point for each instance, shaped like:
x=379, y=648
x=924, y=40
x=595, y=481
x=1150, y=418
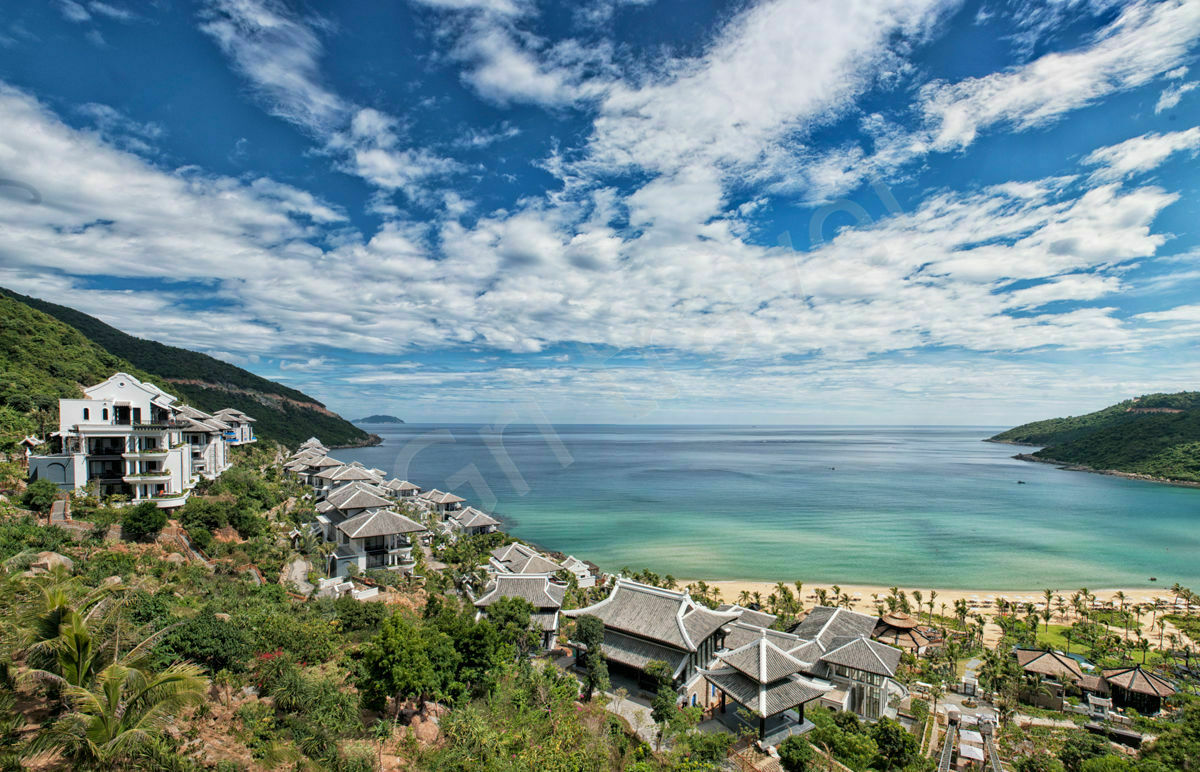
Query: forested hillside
x=49, y=351
x=1156, y=435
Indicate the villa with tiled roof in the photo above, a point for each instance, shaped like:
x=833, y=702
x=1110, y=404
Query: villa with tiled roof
x=644, y=624
x=544, y=594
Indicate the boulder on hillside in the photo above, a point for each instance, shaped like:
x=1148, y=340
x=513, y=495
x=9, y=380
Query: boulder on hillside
x=47, y=561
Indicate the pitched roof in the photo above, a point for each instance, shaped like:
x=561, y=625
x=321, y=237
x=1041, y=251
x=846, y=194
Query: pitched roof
x=759, y=618
x=345, y=473
x=638, y=652
x=739, y=633
x=666, y=616
x=441, y=497
x=1134, y=679
x=826, y=624
x=473, y=518
x=762, y=660
x=865, y=654
x=537, y=589
x=519, y=558
x=378, y=522
x=356, y=496
x=401, y=485
x=765, y=699
x=1049, y=663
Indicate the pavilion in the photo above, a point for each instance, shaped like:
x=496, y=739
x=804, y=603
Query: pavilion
x=1132, y=687
x=767, y=682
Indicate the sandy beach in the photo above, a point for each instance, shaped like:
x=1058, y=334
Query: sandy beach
x=863, y=600
x=981, y=601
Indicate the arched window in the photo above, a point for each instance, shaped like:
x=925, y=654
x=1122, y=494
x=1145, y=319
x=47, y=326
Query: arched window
x=105, y=414
x=86, y=416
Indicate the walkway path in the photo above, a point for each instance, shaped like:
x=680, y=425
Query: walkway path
x=296, y=572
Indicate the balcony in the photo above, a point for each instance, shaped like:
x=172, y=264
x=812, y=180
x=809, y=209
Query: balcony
x=170, y=500
x=149, y=477
x=149, y=453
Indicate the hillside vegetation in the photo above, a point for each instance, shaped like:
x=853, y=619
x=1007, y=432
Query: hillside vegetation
x=48, y=351
x=1156, y=435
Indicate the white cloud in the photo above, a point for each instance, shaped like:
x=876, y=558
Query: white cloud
x=776, y=70
x=73, y=11
x=1171, y=96
x=1140, y=154
x=279, y=54
x=1145, y=41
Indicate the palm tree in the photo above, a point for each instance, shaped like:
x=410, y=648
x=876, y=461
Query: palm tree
x=920, y=598
x=822, y=596
x=1060, y=605
x=744, y=598
x=126, y=710
x=932, y=597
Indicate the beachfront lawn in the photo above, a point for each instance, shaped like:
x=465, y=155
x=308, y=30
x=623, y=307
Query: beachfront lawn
x=1055, y=637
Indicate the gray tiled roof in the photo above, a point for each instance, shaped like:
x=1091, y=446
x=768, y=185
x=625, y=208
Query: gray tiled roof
x=380, y=522
x=519, y=558
x=473, y=518
x=825, y=624
x=538, y=590
x=761, y=660
x=740, y=633
x=356, y=496
x=441, y=497
x=865, y=654
x=750, y=616
x=665, y=616
x=546, y=622
x=765, y=699
x=638, y=652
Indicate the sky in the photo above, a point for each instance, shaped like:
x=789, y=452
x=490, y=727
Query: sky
x=623, y=211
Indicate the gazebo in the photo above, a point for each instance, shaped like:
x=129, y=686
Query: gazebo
x=766, y=681
x=900, y=630
x=1139, y=689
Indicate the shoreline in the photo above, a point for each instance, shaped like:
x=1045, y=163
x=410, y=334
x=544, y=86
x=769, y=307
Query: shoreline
x=371, y=441
x=862, y=600
x=1073, y=467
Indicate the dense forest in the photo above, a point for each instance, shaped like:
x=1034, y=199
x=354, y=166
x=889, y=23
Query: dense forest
x=47, y=351
x=1156, y=435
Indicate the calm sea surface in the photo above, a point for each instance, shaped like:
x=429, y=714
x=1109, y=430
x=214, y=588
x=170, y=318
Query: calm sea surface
x=924, y=506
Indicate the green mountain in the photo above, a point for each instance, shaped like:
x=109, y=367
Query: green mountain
x=1156, y=435
x=49, y=351
x=380, y=418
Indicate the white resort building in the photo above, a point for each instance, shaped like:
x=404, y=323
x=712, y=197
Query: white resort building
x=132, y=438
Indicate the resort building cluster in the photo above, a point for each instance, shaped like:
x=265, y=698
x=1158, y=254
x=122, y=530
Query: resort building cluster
x=131, y=438
x=731, y=660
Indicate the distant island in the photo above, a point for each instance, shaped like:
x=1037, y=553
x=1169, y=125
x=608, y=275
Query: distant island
x=380, y=419
x=1155, y=437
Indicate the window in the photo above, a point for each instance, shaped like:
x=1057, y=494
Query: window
x=86, y=415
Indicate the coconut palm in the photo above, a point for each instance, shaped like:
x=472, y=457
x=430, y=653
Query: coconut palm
x=932, y=598
x=920, y=598
x=126, y=710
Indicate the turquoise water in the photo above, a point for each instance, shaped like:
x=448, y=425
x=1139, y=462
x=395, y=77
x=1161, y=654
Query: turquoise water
x=924, y=506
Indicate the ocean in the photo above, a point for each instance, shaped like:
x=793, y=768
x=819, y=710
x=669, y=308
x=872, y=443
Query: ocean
x=908, y=506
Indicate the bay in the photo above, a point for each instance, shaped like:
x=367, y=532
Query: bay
x=911, y=506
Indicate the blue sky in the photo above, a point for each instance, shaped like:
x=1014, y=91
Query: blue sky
x=799, y=211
